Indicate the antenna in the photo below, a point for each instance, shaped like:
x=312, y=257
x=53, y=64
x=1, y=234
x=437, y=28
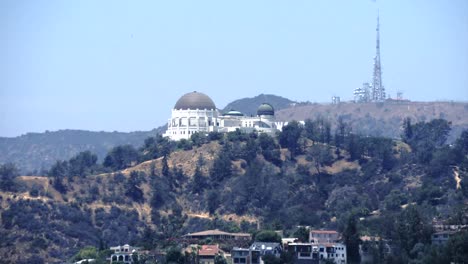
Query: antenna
x=378, y=91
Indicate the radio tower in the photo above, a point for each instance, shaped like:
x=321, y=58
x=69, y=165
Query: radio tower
x=378, y=90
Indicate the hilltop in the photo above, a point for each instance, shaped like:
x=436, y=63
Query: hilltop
x=381, y=119
x=34, y=152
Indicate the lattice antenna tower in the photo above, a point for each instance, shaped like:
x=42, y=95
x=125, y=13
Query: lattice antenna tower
x=378, y=90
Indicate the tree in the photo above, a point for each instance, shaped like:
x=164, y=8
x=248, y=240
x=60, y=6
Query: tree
x=132, y=188
x=58, y=172
x=457, y=246
x=198, y=180
x=289, y=137
x=174, y=255
x=424, y=138
x=212, y=199
x=222, y=165
x=219, y=260
x=8, y=173
x=249, y=150
x=302, y=234
x=407, y=130
x=82, y=164
x=352, y=240
x=268, y=236
x=88, y=252
x=271, y=259
x=165, y=167
x=321, y=155
x=155, y=147
x=342, y=130
x=121, y=157
x=412, y=229
x=270, y=149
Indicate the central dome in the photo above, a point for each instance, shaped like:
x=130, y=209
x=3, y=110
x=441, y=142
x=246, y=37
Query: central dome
x=194, y=100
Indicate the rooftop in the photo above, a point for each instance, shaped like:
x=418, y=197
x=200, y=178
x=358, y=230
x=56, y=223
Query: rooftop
x=208, y=250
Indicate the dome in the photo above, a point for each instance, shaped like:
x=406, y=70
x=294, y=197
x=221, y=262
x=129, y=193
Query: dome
x=265, y=109
x=194, y=100
x=233, y=113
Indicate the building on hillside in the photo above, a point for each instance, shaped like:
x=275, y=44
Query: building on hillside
x=315, y=253
x=195, y=112
x=207, y=254
x=218, y=235
x=441, y=237
x=240, y=255
x=323, y=236
x=304, y=253
x=125, y=254
x=259, y=249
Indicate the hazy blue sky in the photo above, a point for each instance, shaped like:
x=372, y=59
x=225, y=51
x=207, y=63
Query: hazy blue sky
x=122, y=65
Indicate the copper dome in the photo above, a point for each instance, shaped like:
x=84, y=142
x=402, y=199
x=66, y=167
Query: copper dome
x=195, y=100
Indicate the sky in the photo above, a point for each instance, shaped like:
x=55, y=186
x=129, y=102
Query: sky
x=121, y=65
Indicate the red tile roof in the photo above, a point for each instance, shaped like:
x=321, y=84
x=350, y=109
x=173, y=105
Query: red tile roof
x=208, y=250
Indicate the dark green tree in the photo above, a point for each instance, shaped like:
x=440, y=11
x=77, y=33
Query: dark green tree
x=174, y=256
x=302, y=233
x=321, y=155
x=82, y=164
x=268, y=236
x=219, y=260
x=132, y=187
x=121, y=157
x=198, y=184
x=58, y=172
x=412, y=229
x=352, y=240
x=289, y=137
x=213, y=201
x=271, y=259
x=222, y=168
x=165, y=167
x=8, y=173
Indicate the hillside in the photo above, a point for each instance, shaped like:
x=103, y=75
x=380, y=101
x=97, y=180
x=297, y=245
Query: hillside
x=239, y=183
x=36, y=151
x=381, y=119
x=249, y=106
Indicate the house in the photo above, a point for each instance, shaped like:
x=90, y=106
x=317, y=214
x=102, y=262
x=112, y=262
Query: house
x=441, y=237
x=323, y=236
x=207, y=254
x=315, y=253
x=240, y=255
x=217, y=235
x=335, y=251
x=304, y=253
x=124, y=254
x=259, y=249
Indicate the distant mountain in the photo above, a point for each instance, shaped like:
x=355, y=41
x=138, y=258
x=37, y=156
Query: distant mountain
x=249, y=106
x=36, y=151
